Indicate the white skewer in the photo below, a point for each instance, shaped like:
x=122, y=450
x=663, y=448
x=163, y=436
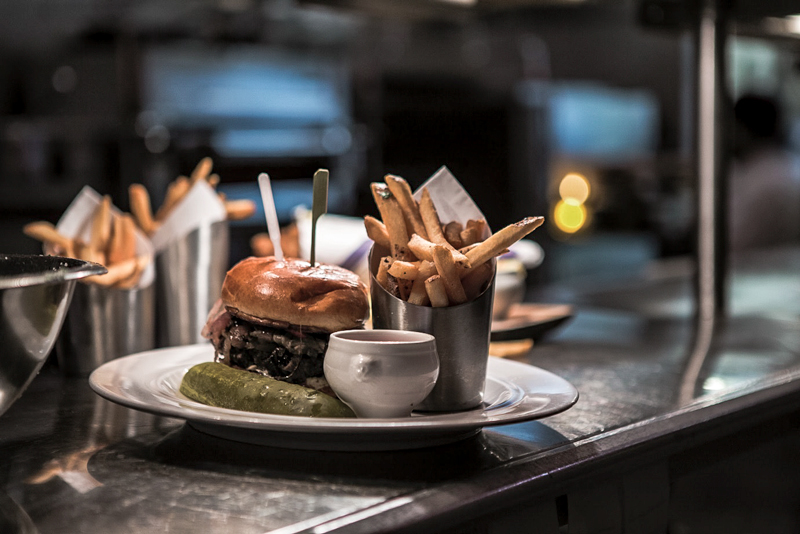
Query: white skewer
x=271, y=213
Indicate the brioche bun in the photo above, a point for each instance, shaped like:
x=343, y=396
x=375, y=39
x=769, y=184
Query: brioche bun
x=323, y=297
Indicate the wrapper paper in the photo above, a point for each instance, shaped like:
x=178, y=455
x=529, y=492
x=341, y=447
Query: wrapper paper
x=201, y=206
x=452, y=201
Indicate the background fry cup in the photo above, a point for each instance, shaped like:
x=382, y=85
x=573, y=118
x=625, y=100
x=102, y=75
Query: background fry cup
x=105, y=323
x=105, y=319
x=190, y=271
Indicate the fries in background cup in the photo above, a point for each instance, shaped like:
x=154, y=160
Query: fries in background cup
x=434, y=263
x=111, y=243
x=149, y=221
x=261, y=244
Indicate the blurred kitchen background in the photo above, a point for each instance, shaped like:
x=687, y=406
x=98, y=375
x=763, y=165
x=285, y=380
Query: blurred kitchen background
x=582, y=111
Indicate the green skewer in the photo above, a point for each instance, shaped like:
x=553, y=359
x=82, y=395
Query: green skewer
x=319, y=206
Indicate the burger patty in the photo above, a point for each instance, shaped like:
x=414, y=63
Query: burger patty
x=278, y=353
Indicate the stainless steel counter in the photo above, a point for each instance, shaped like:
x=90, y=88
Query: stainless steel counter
x=621, y=460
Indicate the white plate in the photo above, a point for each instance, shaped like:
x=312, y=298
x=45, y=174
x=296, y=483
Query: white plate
x=149, y=381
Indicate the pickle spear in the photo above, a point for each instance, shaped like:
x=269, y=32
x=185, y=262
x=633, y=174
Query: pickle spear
x=217, y=384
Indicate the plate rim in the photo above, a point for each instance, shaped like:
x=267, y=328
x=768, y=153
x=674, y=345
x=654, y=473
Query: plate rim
x=108, y=374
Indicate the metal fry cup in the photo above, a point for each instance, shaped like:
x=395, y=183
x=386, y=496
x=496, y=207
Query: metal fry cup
x=103, y=324
x=462, y=335
x=189, y=276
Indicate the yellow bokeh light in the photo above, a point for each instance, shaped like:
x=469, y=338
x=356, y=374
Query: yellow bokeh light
x=569, y=216
x=574, y=187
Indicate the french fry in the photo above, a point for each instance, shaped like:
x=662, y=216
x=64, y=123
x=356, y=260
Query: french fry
x=130, y=282
x=466, y=249
x=510, y=349
x=418, y=294
x=382, y=276
x=452, y=232
x=213, y=180
x=141, y=208
x=420, y=247
x=402, y=192
x=68, y=251
x=86, y=252
x=116, y=273
x=261, y=244
x=469, y=236
x=404, y=270
x=122, y=245
x=47, y=233
x=394, y=287
x=472, y=232
x=433, y=226
x=446, y=268
x=175, y=193
x=500, y=241
x=202, y=170
x=392, y=216
x=423, y=249
x=419, y=298
x=290, y=241
x=403, y=286
x=477, y=279
x=237, y=210
x=436, y=292
x=479, y=225
x=376, y=231
x=101, y=225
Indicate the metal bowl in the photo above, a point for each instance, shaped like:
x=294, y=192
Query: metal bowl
x=509, y=287
x=35, y=292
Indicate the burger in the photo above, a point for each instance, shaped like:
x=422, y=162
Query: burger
x=274, y=317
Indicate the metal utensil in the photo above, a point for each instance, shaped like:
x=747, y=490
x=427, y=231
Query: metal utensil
x=35, y=293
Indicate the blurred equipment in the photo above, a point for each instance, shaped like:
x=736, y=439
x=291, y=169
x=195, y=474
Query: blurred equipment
x=251, y=107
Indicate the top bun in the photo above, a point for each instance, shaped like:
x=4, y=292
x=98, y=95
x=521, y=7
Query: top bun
x=323, y=297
